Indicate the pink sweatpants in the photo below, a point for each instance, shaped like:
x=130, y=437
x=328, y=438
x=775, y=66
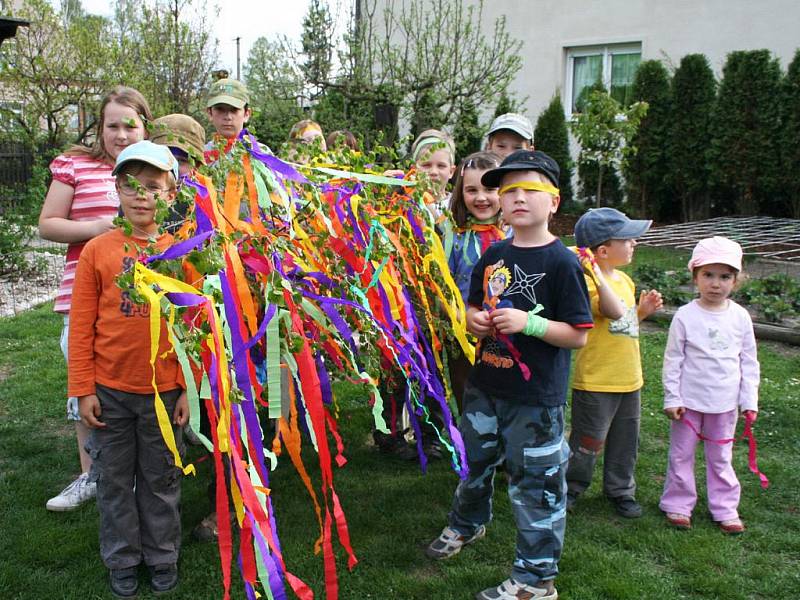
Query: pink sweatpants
x=680, y=493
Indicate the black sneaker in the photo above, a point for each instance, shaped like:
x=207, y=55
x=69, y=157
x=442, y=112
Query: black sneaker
x=394, y=445
x=163, y=578
x=627, y=507
x=572, y=498
x=124, y=582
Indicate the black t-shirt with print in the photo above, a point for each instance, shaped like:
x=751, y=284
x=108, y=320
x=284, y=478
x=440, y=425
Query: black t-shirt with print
x=515, y=277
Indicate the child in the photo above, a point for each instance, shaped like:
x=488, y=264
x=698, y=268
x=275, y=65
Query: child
x=606, y=403
x=305, y=141
x=509, y=132
x=138, y=486
x=711, y=372
x=476, y=210
x=341, y=138
x=434, y=153
x=185, y=139
x=81, y=204
x=529, y=305
x=229, y=111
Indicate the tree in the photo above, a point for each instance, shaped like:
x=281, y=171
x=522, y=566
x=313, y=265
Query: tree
x=317, y=46
x=551, y=136
x=693, y=94
x=432, y=55
x=467, y=131
x=790, y=140
x=505, y=104
x=745, y=132
x=605, y=130
x=276, y=87
x=647, y=171
x=169, y=52
x=58, y=67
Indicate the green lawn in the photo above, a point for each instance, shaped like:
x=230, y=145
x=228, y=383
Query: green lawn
x=394, y=511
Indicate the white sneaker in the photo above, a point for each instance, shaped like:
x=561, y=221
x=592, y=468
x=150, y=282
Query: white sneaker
x=75, y=494
x=513, y=590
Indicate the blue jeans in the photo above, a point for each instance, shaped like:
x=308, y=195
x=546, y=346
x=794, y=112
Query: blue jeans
x=530, y=439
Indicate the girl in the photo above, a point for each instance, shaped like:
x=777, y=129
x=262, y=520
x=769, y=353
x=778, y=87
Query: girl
x=81, y=204
x=476, y=210
x=710, y=372
x=433, y=153
x=305, y=141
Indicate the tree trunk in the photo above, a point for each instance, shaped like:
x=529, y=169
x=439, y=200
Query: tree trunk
x=598, y=201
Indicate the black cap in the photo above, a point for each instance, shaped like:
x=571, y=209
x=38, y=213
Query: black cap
x=523, y=160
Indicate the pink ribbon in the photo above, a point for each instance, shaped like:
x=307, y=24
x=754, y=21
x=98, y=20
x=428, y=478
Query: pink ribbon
x=751, y=440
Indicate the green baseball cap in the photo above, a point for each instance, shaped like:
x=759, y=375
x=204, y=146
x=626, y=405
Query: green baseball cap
x=228, y=91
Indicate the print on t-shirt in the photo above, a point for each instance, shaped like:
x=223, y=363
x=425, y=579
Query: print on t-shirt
x=627, y=324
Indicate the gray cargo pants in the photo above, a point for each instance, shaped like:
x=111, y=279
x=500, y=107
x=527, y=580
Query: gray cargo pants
x=609, y=419
x=138, y=485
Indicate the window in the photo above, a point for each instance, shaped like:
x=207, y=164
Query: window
x=613, y=67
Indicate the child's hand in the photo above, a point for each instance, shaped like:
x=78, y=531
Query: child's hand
x=399, y=173
x=649, y=302
x=675, y=413
x=479, y=322
x=750, y=414
x=180, y=416
x=102, y=225
x=509, y=320
x=90, y=411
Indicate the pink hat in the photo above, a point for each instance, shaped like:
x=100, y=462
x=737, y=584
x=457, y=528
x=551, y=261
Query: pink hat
x=716, y=250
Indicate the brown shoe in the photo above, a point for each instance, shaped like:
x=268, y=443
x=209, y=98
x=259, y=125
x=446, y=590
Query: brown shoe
x=732, y=526
x=679, y=521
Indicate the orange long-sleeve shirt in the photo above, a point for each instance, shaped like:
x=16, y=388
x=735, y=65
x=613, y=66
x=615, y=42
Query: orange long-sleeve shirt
x=109, y=336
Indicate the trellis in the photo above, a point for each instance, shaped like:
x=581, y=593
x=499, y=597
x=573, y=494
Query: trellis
x=760, y=237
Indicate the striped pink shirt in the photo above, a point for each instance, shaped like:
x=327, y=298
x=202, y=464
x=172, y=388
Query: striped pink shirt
x=94, y=197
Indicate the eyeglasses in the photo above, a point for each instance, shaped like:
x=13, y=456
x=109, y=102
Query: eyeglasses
x=126, y=189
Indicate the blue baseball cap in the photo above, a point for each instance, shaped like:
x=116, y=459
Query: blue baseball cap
x=599, y=225
x=152, y=154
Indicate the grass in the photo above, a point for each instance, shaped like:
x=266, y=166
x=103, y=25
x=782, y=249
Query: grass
x=393, y=511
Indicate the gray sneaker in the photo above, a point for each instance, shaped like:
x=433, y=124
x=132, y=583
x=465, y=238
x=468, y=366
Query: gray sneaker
x=76, y=493
x=450, y=542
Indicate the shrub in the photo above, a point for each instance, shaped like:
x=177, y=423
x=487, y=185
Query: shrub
x=746, y=132
x=647, y=171
x=551, y=136
x=669, y=283
x=693, y=95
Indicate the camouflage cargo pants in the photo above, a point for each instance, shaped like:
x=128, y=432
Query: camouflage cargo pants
x=530, y=439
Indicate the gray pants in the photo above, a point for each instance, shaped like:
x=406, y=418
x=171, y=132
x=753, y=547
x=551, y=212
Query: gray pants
x=531, y=441
x=607, y=419
x=138, y=485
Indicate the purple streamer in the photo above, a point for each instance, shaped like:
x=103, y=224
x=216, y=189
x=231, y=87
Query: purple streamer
x=180, y=249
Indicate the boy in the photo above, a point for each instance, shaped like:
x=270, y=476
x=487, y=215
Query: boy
x=228, y=110
x=138, y=485
x=185, y=139
x=509, y=132
x=606, y=403
x=528, y=304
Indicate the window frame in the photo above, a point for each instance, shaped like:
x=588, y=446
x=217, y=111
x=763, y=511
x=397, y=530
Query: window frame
x=607, y=51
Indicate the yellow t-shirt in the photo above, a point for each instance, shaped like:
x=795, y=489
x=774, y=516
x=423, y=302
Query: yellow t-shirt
x=610, y=362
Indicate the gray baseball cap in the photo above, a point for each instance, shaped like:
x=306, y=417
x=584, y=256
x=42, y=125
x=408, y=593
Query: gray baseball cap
x=519, y=124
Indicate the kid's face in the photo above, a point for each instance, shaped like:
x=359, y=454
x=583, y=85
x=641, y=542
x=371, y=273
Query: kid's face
x=438, y=166
x=715, y=283
x=139, y=205
x=122, y=127
x=617, y=253
x=527, y=208
x=482, y=202
x=228, y=120
x=504, y=142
